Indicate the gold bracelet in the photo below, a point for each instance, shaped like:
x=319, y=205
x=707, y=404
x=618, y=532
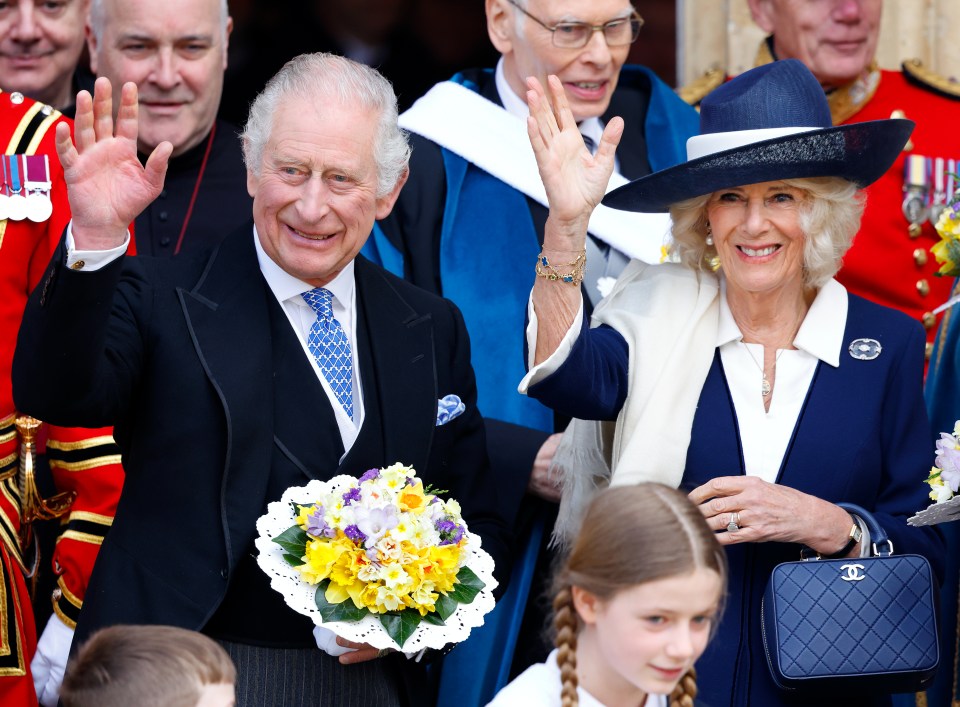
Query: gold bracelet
x=571, y=273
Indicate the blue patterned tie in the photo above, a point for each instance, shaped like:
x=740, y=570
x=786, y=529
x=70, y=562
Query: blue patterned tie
x=330, y=347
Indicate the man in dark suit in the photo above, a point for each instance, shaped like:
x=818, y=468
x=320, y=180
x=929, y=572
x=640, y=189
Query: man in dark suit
x=207, y=368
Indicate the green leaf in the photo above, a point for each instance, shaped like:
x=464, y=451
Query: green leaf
x=400, y=625
x=467, y=587
x=344, y=611
x=445, y=606
x=293, y=560
x=293, y=540
x=432, y=618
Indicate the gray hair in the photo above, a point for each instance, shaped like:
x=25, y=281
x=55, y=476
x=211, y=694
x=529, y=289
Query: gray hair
x=98, y=18
x=331, y=76
x=829, y=219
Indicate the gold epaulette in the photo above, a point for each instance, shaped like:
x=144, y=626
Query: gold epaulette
x=916, y=73
x=697, y=90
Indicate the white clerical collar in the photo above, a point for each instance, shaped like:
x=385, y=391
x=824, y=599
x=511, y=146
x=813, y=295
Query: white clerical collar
x=515, y=105
x=285, y=286
x=820, y=333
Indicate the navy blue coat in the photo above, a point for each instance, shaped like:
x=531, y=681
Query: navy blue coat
x=862, y=436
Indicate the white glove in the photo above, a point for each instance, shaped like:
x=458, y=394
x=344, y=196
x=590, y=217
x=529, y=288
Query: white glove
x=327, y=642
x=48, y=664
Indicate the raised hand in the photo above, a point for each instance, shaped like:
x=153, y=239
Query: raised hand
x=106, y=184
x=575, y=180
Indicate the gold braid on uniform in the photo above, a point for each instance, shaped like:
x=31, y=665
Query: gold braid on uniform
x=565, y=625
x=685, y=692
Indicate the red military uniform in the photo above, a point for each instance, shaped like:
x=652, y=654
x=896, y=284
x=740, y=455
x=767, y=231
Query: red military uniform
x=27, y=127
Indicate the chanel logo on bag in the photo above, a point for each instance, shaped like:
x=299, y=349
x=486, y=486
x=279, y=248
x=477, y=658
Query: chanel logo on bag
x=853, y=573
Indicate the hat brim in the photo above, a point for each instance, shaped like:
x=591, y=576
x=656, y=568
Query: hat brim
x=859, y=152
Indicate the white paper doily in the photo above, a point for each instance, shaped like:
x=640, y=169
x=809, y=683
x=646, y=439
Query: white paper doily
x=299, y=595
x=937, y=513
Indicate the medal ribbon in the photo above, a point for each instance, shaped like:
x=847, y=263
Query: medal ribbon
x=16, y=186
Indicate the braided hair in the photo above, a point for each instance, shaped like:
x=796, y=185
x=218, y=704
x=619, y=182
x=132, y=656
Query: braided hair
x=677, y=540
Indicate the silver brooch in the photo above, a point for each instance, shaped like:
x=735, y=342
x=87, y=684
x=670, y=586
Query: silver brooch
x=865, y=349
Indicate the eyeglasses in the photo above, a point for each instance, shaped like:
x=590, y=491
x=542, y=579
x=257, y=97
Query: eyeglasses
x=574, y=35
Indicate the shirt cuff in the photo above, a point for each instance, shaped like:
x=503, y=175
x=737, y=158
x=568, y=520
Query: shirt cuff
x=90, y=260
x=535, y=374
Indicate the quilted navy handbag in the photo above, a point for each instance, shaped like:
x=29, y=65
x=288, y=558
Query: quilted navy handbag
x=855, y=623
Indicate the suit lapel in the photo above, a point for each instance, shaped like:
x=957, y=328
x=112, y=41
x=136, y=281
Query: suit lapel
x=226, y=314
x=403, y=368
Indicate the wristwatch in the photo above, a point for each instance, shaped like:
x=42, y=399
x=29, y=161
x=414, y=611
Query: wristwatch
x=852, y=540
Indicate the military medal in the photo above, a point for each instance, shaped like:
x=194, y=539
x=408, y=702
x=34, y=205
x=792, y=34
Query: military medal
x=17, y=204
x=37, y=182
x=916, y=189
x=939, y=190
x=4, y=199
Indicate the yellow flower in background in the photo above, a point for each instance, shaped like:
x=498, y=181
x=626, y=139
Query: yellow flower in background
x=320, y=558
x=947, y=249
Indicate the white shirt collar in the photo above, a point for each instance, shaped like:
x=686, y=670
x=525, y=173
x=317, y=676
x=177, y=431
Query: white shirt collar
x=820, y=333
x=285, y=286
x=517, y=106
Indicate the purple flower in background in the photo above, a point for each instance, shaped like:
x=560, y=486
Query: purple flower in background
x=317, y=526
x=355, y=534
x=370, y=474
x=351, y=496
x=948, y=459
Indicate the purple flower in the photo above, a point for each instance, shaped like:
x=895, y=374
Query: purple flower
x=375, y=522
x=948, y=459
x=351, y=496
x=369, y=475
x=450, y=532
x=317, y=526
x=355, y=534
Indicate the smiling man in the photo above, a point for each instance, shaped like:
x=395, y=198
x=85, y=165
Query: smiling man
x=176, y=53
x=40, y=46
x=217, y=369
x=469, y=223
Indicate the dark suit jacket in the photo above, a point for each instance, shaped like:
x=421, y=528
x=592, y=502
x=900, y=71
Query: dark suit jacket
x=177, y=353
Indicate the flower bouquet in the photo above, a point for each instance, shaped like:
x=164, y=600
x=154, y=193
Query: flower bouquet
x=944, y=481
x=379, y=559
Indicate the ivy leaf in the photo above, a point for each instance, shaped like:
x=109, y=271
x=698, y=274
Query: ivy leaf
x=467, y=587
x=400, y=625
x=434, y=619
x=293, y=560
x=444, y=606
x=344, y=611
x=293, y=540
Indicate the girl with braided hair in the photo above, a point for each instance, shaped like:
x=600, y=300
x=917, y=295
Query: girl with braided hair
x=635, y=603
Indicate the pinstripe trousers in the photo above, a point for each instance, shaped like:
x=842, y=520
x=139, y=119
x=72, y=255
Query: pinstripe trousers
x=308, y=677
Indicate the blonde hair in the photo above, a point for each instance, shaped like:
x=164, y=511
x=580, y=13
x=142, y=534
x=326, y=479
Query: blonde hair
x=146, y=666
x=829, y=218
x=676, y=540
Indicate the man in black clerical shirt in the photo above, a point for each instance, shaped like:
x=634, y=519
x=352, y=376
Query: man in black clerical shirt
x=176, y=53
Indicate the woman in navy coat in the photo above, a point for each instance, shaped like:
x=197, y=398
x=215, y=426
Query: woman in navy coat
x=741, y=372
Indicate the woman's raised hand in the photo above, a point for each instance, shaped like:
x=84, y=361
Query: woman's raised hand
x=575, y=180
x=106, y=184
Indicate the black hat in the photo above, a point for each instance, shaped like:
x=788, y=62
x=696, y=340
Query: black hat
x=767, y=124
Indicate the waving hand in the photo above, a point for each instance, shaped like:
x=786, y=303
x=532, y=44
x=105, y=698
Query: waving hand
x=575, y=180
x=106, y=184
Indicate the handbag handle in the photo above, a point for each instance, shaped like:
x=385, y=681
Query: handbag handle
x=878, y=536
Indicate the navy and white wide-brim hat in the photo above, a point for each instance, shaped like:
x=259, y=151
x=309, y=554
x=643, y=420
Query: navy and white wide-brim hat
x=767, y=124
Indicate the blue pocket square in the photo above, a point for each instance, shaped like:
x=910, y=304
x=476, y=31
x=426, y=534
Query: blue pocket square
x=449, y=407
